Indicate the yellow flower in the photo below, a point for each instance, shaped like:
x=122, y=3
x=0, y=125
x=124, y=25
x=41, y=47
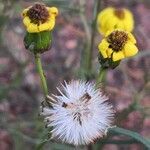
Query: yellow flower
x=117, y=45
x=38, y=18
x=112, y=18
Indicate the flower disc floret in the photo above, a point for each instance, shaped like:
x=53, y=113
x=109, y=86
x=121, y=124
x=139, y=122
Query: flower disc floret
x=38, y=14
x=117, y=40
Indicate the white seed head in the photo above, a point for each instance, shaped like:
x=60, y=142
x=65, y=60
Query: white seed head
x=79, y=114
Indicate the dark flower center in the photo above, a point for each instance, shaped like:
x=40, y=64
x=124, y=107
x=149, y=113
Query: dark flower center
x=119, y=13
x=38, y=13
x=117, y=40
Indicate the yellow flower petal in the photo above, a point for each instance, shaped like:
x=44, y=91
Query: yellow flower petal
x=104, y=54
x=101, y=30
x=51, y=24
x=131, y=38
x=128, y=21
x=44, y=26
x=130, y=49
x=109, y=52
x=53, y=11
x=128, y=25
x=33, y=28
x=26, y=21
x=103, y=46
x=103, y=18
x=25, y=12
x=111, y=23
x=103, y=26
x=47, y=26
x=102, y=15
x=128, y=13
x=100, y=24
x=119, y=24
x=117, y=56
x=108, y=32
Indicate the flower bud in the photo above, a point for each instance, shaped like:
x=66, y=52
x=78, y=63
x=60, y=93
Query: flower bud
x=39, y=21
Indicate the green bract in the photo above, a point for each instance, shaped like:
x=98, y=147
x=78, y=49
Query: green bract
x=38, y=42
x=107, y=62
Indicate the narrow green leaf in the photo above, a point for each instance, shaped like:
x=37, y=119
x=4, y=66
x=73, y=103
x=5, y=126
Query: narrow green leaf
x=40, y=145
x=134, y=135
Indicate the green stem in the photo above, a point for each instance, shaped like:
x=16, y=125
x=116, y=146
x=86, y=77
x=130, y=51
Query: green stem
x=90, y=54
x=41, y=144
x=133, y=135
x=87, y=53
x=90, y=51
x=101, y=76
x=41, y=73
x=96, y=10
x=84, y=71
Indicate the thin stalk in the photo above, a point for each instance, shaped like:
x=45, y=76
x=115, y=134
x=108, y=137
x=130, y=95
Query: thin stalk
x=101, y=76
x=84, y=69
x=86, y=61
x=90, y=53
x=96, y=10
x=41, y=73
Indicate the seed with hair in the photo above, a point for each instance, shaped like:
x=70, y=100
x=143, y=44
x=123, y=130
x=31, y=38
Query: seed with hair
x=64, y=105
